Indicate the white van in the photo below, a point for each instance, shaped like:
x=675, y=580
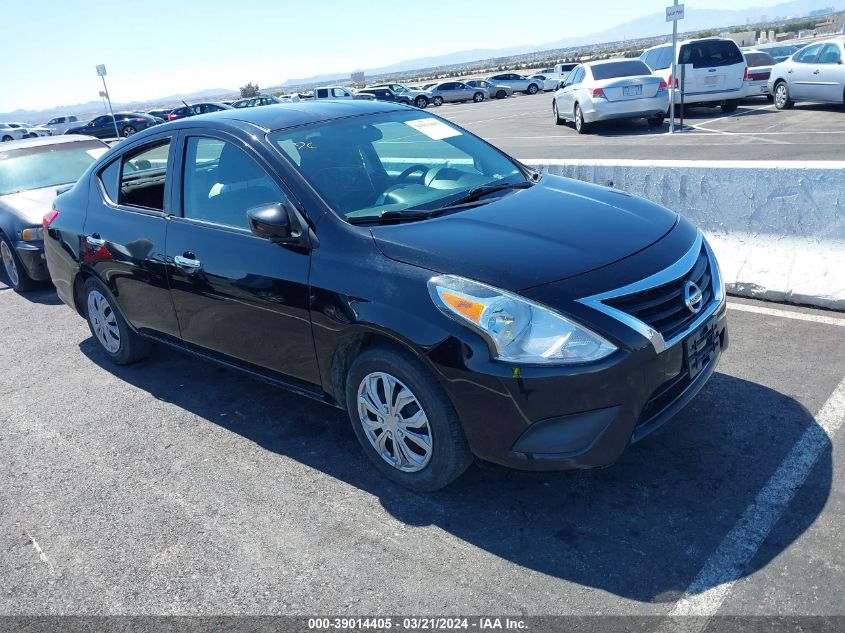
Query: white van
x=714, y=71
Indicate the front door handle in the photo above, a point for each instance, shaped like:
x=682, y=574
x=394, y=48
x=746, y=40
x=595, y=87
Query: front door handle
x=95, y=241
x=187, y=261
x=816, y=72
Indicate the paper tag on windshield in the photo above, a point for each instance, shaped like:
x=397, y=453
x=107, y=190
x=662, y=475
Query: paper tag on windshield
x=433, y=128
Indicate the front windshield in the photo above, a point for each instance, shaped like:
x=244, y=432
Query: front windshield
x=46, y=165
x=393, y=161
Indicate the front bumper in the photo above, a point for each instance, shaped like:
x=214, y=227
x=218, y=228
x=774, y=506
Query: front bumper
x=631, y=109
x=31, y=255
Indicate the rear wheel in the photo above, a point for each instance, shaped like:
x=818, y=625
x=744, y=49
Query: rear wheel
x=128, y=131
x=532, y=89
x=730, y=106
x=109, y=328
x=478, y=97
x=437, y=101
x=421, y=102
x=501, y=94
x=782, y=100
x=18, y=278
x=581, y=126
x=404, y=420
x=656, y=121
x=7, y=138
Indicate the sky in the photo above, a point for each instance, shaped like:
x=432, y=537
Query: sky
x=156, y=48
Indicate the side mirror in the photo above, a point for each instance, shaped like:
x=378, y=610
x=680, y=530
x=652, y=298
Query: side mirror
x=273, y=222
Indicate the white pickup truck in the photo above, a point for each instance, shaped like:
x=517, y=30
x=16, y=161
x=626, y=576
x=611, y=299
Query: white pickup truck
x=339, y=92
x=559, y=72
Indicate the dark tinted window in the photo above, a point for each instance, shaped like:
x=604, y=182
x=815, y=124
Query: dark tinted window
x=142, y=177
x=221, y=183
x=710, y=53
x=759, y=59
x=322, y=93
x=809, y=54
x=627, y=68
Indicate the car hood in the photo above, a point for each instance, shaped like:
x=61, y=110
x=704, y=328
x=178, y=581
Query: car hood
x=554, y=230
x=30, y=206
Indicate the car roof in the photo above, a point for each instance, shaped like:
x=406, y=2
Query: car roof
x=292, y=113
x=48, y=140
x=697, y=39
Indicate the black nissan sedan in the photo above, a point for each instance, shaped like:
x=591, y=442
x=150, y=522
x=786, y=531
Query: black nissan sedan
x=453, y=301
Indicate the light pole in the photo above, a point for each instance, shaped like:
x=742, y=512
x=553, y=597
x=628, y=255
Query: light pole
x=101, y=71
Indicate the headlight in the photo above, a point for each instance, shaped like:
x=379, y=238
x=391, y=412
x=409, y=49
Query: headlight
x=32, y=235
x=518, y=330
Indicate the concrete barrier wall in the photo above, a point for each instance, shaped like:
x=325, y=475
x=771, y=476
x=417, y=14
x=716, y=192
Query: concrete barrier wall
x=778, y=228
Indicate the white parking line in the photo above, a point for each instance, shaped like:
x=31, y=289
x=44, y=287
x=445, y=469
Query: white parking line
x=732, y=116
x=728, y=562
x=787, y=314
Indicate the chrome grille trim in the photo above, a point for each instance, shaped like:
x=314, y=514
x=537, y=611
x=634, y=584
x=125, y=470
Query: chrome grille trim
x=677, y=270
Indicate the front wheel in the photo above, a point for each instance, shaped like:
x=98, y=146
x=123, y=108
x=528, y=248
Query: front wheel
x=782, y=100
x=729, y=106
x=438, y=101
x=501, y=94
x=532, y=89
x=556, y=114
x=7, y=138
x=404, y=421
x=16, y=274
x=581, y=126
x=111, y=331
x=421, y=103
x=478, y=97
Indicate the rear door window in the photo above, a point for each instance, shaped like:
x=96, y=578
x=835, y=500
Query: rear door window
x=711, y=53
x=612, y=70
x=809, y=54
x=830, y=55
x=142, y=176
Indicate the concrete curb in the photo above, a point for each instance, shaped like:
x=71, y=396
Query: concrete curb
x=777, y=228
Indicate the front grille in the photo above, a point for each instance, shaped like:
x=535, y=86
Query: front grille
x=662, y=308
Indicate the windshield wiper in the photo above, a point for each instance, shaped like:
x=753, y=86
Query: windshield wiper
x=476, y=193
x=391, y=217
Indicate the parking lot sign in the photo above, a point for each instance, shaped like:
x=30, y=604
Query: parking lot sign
x=675, y=13
x=101, y=70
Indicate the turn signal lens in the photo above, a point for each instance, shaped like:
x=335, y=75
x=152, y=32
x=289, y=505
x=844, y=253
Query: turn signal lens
x=467, y=308
x=32, y=235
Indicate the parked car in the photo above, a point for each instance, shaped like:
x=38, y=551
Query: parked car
x=455, y=92
x=31, y=171
x=60, y=124
x=30, y=130
x=611, y=89
x=496, y=91
x=339, y=92
x=780, y=52
x=418, y=97
x=254, y=102
x=9, y=133
x=410, y=314
x=160, y=113
x=517, y=83
x=713, y=74
x=196, y=109
x=815, y=73
x=126, y=123
x=558, y=71
x=384, y=94
x=546, y=82
x=757, y=74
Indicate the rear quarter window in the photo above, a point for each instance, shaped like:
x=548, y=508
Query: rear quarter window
x=710, y=53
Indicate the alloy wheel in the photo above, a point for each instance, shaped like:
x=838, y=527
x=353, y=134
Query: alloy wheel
x=9, y=264
x=103, y=321
x=781, y=95
x=128, y=131
x=394, y=422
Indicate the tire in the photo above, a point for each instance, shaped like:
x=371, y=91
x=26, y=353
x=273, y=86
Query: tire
x=421, y=103
x=127, y=131
x=447, y=455
x=532, y=89
x=581, y=126
x=730, y=105
x=108, y=327
x=556, y=114
x=656, y=121
x=501, y=94
x=7, y=138
x=782, y=100
x=437, y=101
x=478, y=97
x=16, y=274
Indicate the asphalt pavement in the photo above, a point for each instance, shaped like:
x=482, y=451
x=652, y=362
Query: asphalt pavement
x=523, y=126
x=177, y=487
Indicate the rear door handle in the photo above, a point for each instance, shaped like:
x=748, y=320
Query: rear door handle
x=187, y=261
x=816, y=72
x=95, y=241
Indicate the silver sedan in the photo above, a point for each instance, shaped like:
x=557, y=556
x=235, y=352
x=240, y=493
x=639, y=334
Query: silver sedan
x=517, y=83
x=497, y=91
x=9, y=133
x=611, y=89
x=455, y=91
x=815, y=73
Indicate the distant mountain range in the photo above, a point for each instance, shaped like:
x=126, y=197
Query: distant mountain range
x=647, y=26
